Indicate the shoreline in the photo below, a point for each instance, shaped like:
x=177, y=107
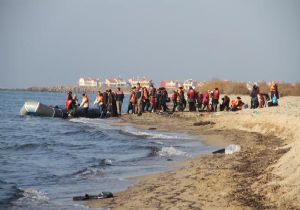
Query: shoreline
x=251, y=178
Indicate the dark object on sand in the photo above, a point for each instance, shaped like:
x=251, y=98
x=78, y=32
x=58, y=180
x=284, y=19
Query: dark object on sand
x=101, y=195
x=222, y=151
x=35, y=108
x=151, y=128
x=203, y=123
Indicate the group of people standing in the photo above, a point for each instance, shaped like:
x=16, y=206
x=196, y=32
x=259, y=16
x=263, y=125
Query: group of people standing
x=197, y=101
x=108, y=103
x=143, y=99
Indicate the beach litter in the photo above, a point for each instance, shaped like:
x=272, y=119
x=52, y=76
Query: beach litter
x=230, y=149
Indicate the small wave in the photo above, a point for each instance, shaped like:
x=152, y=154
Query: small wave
x=28, y=146
x=89, y=172
x=31, y=197
x=149, y=135
x=100, y=162
x=171, y=151
x=95, y=122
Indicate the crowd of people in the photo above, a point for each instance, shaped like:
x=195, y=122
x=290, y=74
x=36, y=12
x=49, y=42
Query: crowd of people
x=108, y=102
x=143, y=99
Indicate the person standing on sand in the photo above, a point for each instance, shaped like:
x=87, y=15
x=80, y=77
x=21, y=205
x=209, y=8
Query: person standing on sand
x=254, y=99
x=112, y=107
x=145, y=101
x=180, y=99
x=132, y=102
x=199, y=100
x=152, y=92
x=174, y=100
x=85, y=103
x=191, y=99
x=215, y=99
x=119, y=100
x=164, y=96
x=138, y=99
x=206, y=101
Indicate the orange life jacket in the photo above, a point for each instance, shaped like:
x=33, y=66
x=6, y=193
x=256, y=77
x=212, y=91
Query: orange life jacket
x=132, y=98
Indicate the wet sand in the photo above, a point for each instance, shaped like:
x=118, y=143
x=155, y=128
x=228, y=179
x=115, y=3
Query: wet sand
x=262, y=176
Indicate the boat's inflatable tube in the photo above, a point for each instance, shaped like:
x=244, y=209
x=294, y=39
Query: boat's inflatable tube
x=35, y=108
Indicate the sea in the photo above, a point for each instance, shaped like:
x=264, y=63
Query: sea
x=45, y=161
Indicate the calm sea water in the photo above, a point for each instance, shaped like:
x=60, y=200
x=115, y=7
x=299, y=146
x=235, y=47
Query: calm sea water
x=46, y=161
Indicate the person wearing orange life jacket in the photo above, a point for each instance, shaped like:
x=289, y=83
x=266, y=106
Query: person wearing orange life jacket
x=236, y=104
x=215, y=99
x=191, y=99
x=145, y=100
x=274, y=90
x=85, y=103
x=132, y=102
x=180, y=99
x=138, y=98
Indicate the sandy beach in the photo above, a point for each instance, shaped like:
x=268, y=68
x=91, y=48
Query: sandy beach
x=263, y=175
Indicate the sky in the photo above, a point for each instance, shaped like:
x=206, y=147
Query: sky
x=55, y=42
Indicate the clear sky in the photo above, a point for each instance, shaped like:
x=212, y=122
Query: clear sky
x=50, y=42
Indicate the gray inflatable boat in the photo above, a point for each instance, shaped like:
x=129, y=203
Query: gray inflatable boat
x=38, y=109
x=35, y=108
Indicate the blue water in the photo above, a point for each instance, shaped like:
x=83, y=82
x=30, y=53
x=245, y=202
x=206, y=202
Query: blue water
x=46, y=161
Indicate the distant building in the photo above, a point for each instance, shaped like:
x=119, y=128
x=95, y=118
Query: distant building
x=189, y=83
x=144, y=82
x=89, y=82
x=116, y=82
x=169, y=84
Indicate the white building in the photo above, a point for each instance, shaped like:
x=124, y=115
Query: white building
x=89, y=82
x=189, y=83
x=114, y=83
x=143, y=82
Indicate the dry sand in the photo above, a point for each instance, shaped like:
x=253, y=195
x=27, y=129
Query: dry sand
x=264, y=175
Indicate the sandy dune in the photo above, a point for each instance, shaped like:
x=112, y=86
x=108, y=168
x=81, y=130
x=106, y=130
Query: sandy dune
x=264, y=175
